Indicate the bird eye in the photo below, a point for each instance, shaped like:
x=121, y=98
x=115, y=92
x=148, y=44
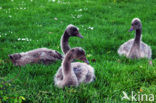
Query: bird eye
x=74, y=29
x=81, y=53
x=136, y=23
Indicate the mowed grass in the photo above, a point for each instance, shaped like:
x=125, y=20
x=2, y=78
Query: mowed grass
x=104, y=25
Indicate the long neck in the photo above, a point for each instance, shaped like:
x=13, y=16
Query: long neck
x=64, y=43
x=67, y=65
x=137, y=37
x=135, y=49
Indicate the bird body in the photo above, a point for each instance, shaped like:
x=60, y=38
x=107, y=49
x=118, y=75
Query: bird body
x=40, y=55
x=140, y=51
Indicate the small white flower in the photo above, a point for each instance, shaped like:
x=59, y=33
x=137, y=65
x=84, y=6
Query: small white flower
x=78, y=16
x=31, y=0
x=58, y=1
x=10, y=16
x=12, y=0
x=23, y=39
x=5, y=34
x=0, y=7
x=55, y=18
x=91, y=28
x=53, y=0
x=80, y=10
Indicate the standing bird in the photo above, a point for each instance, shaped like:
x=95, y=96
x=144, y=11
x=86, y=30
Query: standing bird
x=135, y=48
x=45, y=55
x=73, y=74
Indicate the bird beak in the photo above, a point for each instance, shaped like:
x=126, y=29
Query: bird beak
x=85, y=60
x=79, y=35
x=131, y=29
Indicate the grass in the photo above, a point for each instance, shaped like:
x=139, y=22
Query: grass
x=43, y=22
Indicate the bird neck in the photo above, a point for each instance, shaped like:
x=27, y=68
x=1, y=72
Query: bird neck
x=64, y=43
x=135, y=49
x=137, y=36
x=67, y=64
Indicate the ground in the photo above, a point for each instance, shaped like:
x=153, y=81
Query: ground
x=31, y=24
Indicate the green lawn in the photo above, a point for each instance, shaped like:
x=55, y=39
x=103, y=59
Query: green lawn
x=43, y=23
